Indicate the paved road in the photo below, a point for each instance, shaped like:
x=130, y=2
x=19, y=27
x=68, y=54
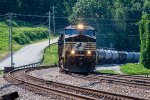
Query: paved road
x=29, y=54
x=115, y=67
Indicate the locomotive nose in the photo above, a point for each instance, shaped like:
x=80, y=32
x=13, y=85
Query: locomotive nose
x=80, y=64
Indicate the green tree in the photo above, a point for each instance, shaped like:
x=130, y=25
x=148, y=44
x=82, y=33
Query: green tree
x=98, y=13
x=127, y=13
x=144, y=28
x=69, y=6
x=146, y=6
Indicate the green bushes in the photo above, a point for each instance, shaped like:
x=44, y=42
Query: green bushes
x=144, y=28
x=25, y=34
x=21, y=35
x=134, y=69
x=3, y=35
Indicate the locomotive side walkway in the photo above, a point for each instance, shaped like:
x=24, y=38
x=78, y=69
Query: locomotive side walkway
x=29, y=54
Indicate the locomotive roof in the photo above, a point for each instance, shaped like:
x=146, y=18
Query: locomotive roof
x=76, y=27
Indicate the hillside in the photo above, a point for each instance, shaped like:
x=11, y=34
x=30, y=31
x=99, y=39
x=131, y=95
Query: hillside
x=22, y=34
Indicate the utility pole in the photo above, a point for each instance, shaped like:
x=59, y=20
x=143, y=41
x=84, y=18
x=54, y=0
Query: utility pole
x=9, y=32
x=54, y=19
x=10, y=38
x=49, y=26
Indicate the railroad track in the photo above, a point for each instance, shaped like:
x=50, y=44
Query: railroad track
x=19, y=78
x=143, y=82
x=65, y=90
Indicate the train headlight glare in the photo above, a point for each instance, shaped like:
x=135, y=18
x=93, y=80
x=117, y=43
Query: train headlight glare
x=80, y=26
x=72, y=52
x=88, y=52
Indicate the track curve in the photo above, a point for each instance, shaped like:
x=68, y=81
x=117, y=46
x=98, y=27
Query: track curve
x=65, y=90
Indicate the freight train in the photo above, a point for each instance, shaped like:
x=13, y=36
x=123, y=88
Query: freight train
x=112, y=56
x=77, y=49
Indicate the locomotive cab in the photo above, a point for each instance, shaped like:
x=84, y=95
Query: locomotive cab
x=77, y=49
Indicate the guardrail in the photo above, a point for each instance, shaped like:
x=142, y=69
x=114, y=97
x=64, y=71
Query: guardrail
x=31, y=65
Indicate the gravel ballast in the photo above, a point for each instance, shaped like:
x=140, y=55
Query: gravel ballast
x=24, y=94
x=53, y=74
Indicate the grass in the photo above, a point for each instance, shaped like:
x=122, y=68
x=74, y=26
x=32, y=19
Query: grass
x=108, y=71
x=1, y=73
x=135, y=69
x=51, y=55
x=3, y=54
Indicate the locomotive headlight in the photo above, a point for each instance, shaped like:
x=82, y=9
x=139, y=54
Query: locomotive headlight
x=80, y=26
x=72, y=52
x=88, y=52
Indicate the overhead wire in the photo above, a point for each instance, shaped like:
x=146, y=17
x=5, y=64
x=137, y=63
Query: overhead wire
x=118, y=35
x=29, y=15
x=42, y=23
x=4, y=15
x=77, y=18
x=64, y=17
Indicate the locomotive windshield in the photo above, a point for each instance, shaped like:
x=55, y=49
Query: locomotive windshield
x=88, y=32
x=72, y=31
x=76, y=31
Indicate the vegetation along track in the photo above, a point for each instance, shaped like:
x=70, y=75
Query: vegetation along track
x=134, y=81
x=65, y=90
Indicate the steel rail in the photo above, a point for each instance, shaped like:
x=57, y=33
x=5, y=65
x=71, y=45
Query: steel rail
x=86, y=90
x=117, y=80
x=50, y=90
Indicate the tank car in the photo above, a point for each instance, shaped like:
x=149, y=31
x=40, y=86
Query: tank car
x=112, y=56
x=77, y=49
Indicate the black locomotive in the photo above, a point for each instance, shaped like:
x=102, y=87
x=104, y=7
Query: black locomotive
x=77, y=49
